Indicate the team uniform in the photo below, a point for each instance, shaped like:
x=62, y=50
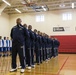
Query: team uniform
x=1, y=46
x=28, y=50
x=37, y=48
x=56, y=44
x=32, y=42
x=18, y=35
x=8, y=45
x=46, y=48
x=50, y=46
x=43, y=48
x=4, y=45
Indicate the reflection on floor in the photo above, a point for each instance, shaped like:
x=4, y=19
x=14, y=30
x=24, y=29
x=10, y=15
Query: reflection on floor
x=64, y=64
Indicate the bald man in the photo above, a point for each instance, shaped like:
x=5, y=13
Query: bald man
x=18, y=35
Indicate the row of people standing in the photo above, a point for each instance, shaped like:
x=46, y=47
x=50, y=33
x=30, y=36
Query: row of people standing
x=40, y=44
x=26, y=43
x=5, y=46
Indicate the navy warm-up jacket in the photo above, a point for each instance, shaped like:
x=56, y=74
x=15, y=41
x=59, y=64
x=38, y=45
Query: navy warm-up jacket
x=19, y=33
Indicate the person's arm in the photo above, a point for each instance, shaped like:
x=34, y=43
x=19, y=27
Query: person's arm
x=32, y=35
x=26, y=34
x=2, y=43
x=11, y=34
x=58, y=43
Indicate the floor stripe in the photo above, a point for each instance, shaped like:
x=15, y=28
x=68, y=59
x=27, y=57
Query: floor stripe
x=63, y=65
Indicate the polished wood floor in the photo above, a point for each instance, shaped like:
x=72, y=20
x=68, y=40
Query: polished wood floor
x=64, y=64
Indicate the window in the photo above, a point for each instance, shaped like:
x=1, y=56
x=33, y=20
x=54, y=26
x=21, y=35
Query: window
x=67, y=16
x=40, y=18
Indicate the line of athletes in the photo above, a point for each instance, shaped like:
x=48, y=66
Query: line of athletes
x=41, y=45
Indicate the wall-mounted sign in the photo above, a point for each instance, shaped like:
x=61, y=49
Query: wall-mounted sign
x=59, y=29
x=55, y=29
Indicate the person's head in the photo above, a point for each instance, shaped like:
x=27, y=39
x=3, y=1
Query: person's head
x=4, y=38
x=0, y=37
x=35, y=30
x=25, y=25
x=18, y=21
x=41, y=33
x=7, y=38
x=38, y=32
x=29, y=27
x=53, y=38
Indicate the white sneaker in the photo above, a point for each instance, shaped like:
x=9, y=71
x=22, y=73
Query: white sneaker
x=22, y=70
x=13, y=70
x=19, y=67
x=26, y=65
x=33, y=66
x=29, y=67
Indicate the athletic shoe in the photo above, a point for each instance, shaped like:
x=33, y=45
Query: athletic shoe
x=0, y=55
x=26, y=65
x=22, y=70
x=38, y=63
x=33, y=66
x=13, y=70
x=19, y=67
x=29, y=67
x=4, y=55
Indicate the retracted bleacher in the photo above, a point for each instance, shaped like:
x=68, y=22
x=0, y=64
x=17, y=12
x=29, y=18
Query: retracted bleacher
x=67, y=43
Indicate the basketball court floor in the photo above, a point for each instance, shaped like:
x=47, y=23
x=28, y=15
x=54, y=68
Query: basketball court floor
x=64, y=64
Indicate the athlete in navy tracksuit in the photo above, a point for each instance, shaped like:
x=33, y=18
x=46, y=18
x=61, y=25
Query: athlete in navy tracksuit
x=56, y=44
x=41, y=50
x=18, y=35
x=37, y=52
x=48, y=51
x=28, y=49
x=50, y=46
x=32, y=41
x=43, y=47
x=46, y=47
x=40, y=46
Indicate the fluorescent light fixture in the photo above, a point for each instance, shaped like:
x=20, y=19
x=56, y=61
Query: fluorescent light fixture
x=62, y=5
x=73, y=5
x=6, y=2
x=23, y=2
x=44, y=8
x=17, y=10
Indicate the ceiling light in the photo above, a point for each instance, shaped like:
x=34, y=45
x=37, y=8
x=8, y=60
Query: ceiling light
x=17, y=10
x=44, y=8
x=6, y=2
x=23, y=2
x=62, y=5
x=73, y=5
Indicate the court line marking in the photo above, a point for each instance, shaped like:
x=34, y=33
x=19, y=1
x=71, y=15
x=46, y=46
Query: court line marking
x=63, y=65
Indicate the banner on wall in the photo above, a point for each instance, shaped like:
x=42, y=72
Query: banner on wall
x=61, y=29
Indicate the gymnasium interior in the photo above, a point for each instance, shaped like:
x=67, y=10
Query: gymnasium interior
x=57, y=18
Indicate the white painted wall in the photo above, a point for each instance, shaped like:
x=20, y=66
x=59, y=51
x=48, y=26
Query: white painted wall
x=52, y=19
x=4, y=25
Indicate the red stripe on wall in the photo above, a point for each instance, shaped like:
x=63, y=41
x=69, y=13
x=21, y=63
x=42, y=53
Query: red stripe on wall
x=67, y=43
